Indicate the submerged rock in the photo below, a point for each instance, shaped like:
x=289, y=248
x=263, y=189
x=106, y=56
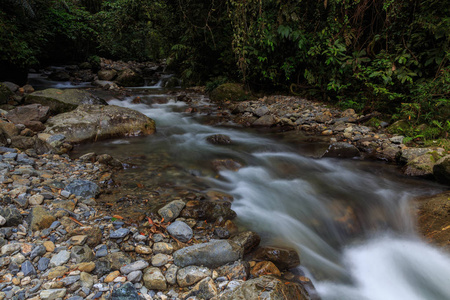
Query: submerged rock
x=96, y=122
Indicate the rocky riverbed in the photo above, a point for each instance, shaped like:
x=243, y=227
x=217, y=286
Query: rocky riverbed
x=58, y=242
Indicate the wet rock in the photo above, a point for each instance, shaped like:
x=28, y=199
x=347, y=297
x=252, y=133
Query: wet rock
x=219, y=139
x=180, y=231
x=441, y=170
x=248, y=240
x=127, y=291
x=154, y=279
x=265, y=121
x=342, y=150
x=172, y=210
x=265, y=268
x=96, y=122
x=283, y=258
x=128, y=77
x=191, y=275
x=212, y=254
x=60, y=101
x=83, y=188
x=12, y=216
x=238, y=270
x=225, y=164
x=205, y=289
x=40, y=218
x=208, y=210
x=110, y=161
x=267, y=287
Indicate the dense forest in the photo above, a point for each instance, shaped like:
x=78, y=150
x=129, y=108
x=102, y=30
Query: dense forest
x=389, y=56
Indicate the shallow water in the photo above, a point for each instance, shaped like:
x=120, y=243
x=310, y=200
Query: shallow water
x=349, y=220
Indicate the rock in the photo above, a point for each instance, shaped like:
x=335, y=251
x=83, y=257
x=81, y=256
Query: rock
x=93, y=233
x=119, y=233
x=160, y=260
x=25, y=142
x=441, y=170
x=43, y=263
x=238, y=270
x=180, y=231
x=57, y=272
x=12, y=216
x=2, y=220
x=107, y=75
x=265, y=268
x=154, y=279
x=171, y=275
x=135, y=276
x=265, y=121
x=225, y=164
x=83, y=188
x=59, y=259
x=219, y=139
x=248, y=240
x=52, y=294
x=342, y=150
x=205, y=289
x=212, y=254
x=106, y=85
x=61, y=101
x=129, y=78
x=118, y=260
x=283, y=258
x=433, y=219
x=208, y=210
x=135, y=266
x=191, y=275
x=161, y=247
x=11, y=86
x=127, y=291
x=267, y=287
x=36, y=199
x=39, y=218
x=322, y=118
x=59, y=76
x=398, y=139
x=96, y=122
x=39, y=250
x=29, y=115
x=409, y=154
x=49, y=246
x=82, y=254
x=420, y=166
x=111, y=276
x=172, y=210
x=229, y=92
x=110, y=161
x=6, y=94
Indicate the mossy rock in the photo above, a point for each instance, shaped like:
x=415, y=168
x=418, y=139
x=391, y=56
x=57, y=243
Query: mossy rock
x=229, y=92
x=130, y=78
x=441, y=170
x=399, y=127
x=61, y=101
x=5, y=94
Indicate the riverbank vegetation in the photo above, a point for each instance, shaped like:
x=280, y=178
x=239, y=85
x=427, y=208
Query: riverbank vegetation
x=387, y=56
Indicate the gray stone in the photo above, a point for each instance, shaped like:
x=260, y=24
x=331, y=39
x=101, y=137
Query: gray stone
x=180, y=231
x=125, y=292
x=119, y=233
x=69, y=280
x=191, y=275
x=160, y=260
x=171, y=275
x=82, y=254
x=398, y=139
x=10, y=248
x=27, y=268
x=43, y=263
x=39, y=250
x=172, y=210
x=154, y=279
x=83, y=188
x=134, y=276
x=135, y=266
x=205, y=289
x=219, y=139
x=265, y=121
x=59, y=259
x=12, y=216
x=212, y=254
x=52, y=294
x=342, y=150
x=248, y=240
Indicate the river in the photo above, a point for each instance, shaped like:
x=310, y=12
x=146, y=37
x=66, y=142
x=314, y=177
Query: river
x=349, y=220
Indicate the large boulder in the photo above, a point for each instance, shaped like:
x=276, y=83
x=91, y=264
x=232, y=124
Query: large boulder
x=409, y=154
x=212, y=254
x=5, y=94
x=421, y=166
x=267, y=287
x=129, y=77
x=61, y=101
x=96, y=122
x=229, y=92
x=441, y=170
x=32, y=115
x=107, y=75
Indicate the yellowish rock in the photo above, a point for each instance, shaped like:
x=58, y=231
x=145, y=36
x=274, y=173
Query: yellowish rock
x=111, y=276
x=87, y=267
x=49, y=246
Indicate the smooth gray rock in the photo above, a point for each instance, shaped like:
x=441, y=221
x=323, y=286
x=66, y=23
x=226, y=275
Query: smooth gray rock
x=171, y=275
x=27, y=268
x=119, y=233
x=43, y=263
x=160, y=260
x=135, y=276
x=342, y=150
x=135, y=266
x=181, y=231
x=52, y=294
x=83, y=188
x=212, y=254
x=191, y=275
x=59, y=259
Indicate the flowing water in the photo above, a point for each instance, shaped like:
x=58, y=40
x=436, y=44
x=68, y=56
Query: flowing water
x=349, y=220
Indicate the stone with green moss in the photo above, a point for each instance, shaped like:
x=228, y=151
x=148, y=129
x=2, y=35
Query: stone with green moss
x=229, y=92
x=5, y=94
x=399, y=127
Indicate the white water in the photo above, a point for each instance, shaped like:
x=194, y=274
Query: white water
x=349, y=220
